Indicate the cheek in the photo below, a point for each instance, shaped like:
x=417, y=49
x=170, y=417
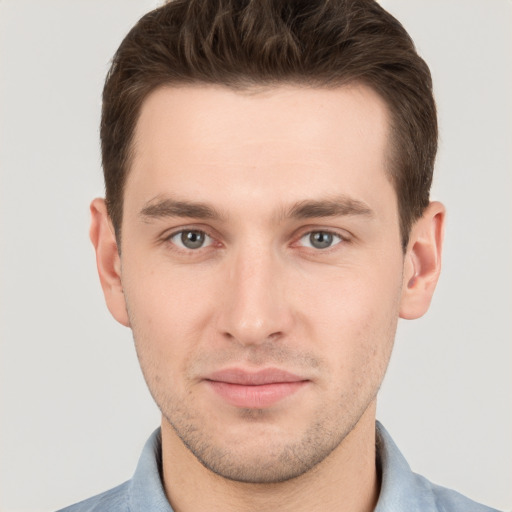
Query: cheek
x=358, y=294
x=168, y=313
x=353, y=314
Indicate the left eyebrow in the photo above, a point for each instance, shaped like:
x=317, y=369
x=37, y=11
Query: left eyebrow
x=335, y=207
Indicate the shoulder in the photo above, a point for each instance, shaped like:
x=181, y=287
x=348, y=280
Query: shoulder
x=402, y=490
x=448, y=500
x=144, y=491
x=114, y=500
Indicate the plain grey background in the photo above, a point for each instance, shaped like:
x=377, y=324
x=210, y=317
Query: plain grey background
x=74, y=409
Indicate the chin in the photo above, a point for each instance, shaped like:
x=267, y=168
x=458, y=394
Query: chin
x=265, y=455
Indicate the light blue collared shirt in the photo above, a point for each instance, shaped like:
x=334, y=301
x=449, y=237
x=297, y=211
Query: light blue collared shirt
x=401, y=489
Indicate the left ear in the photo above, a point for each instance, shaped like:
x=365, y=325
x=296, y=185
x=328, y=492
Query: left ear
x=422, y=263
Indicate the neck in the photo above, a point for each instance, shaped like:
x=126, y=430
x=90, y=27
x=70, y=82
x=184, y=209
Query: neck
x=346, y=480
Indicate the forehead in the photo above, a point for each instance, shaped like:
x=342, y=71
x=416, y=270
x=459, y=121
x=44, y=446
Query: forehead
x=275, y=144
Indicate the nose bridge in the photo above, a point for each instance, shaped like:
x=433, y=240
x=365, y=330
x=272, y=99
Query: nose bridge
x=255, y=309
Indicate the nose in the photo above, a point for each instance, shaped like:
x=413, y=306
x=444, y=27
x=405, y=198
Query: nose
x=255, y=308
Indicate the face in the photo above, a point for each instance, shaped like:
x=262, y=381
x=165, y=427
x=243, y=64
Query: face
x=262, y=269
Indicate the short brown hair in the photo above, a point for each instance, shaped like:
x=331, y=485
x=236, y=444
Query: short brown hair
x=242, y=43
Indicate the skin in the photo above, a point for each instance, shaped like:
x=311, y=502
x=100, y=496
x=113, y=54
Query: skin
x=258, y=172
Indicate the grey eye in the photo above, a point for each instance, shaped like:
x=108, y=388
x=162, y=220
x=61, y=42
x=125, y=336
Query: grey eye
x=320, y=239
x=191, y=239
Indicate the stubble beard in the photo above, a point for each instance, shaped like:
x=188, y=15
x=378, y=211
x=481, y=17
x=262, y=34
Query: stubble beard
x=265, y=461
x=269, y=457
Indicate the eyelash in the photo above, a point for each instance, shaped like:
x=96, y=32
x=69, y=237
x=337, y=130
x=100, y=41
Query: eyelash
x=168, y=239
x=184, y=250
x=342, y=239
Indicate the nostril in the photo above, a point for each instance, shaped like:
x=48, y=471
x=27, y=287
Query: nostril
x=252, y=338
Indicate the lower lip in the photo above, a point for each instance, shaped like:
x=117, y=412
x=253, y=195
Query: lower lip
x=255, y=397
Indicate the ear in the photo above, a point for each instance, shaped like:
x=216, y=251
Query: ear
x=422, y=263
x=108, y=260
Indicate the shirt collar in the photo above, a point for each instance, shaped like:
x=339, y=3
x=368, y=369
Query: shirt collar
x=401, y=490
x=146, y=489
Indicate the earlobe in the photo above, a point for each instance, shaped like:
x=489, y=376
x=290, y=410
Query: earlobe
x=108, y=260
x=422, y=264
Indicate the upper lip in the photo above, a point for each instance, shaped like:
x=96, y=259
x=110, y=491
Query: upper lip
x=254, y=378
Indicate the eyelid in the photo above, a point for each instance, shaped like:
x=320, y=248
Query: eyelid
x=166, y=237
x=168, y=234
x=208, y=240
x=332, y=233
x=344, y=238
x=307, y=230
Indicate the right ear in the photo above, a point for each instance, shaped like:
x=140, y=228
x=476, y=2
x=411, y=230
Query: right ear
x=108, y=260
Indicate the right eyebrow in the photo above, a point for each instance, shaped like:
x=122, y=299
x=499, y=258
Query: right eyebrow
x=168, y=207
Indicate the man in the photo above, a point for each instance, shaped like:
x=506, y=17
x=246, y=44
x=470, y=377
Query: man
x=266, y=223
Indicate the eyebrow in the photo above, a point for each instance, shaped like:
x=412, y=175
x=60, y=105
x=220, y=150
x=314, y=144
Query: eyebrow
x=174, y=208
x=307, y=209
x=333, y=207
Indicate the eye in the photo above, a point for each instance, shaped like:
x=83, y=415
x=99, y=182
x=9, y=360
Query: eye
x=191, y=239
x=320, y=239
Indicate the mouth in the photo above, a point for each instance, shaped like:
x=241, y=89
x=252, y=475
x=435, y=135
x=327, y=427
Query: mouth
x=254, y=390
